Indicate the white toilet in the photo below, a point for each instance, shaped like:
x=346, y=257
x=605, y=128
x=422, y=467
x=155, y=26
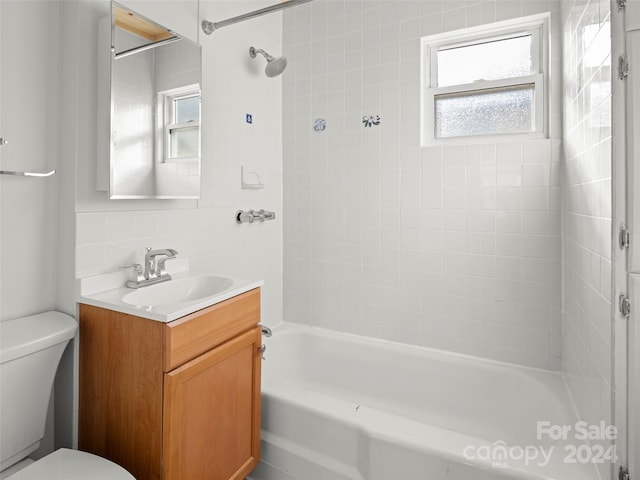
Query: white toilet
x=30, y=350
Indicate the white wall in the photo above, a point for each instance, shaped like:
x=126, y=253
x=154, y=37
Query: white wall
x=587, y=208
x=454, y=247
x=34, y=246
x=29, y=109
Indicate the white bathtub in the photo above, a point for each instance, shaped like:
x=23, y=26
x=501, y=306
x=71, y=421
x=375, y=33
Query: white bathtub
x=338, y=407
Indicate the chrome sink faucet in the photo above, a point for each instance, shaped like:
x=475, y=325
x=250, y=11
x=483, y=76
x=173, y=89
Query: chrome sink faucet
x=154, y=268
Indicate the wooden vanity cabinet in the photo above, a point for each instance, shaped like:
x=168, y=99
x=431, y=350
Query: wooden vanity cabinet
x=177, y=400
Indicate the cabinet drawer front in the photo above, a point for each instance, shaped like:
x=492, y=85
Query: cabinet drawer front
x=190, y=336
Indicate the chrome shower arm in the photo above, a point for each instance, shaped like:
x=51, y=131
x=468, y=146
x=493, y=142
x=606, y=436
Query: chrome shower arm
x=253, y=51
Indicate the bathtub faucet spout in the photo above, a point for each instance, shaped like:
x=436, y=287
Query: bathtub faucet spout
x=266, y=331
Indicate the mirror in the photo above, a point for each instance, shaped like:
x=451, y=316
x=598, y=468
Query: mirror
x=155, y=110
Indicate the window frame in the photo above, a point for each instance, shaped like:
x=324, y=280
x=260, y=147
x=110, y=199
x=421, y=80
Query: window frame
x=535, y=25
x=166, y=120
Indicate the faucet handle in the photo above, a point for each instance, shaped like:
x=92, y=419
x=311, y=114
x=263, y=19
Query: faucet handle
x=136, y=267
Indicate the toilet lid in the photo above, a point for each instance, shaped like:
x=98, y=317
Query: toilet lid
x=65, y=464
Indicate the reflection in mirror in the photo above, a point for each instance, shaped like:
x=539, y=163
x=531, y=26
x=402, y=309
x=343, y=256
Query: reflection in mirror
x=155, y=110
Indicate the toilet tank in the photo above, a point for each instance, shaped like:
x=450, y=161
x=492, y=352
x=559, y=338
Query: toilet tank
x=30, y=350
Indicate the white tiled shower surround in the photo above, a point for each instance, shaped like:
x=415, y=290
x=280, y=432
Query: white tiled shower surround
x=455, y=247
x=587, y=327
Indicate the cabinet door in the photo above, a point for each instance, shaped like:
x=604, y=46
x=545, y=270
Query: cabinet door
x=212, y=413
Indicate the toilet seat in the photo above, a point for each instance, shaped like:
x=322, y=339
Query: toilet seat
x=65, y=464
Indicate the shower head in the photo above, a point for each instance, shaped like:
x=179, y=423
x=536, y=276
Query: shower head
x=275, y=66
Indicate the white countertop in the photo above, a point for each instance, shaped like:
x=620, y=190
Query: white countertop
x=107, y=291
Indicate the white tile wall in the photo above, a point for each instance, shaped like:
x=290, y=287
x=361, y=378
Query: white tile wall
x=456, y=247
x=113, y=233
x=587, y=208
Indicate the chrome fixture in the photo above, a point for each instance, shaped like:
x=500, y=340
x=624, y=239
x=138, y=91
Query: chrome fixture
x=254, y=215
x=266, y=332
x=154, y=269
x=371, y=120
x=624, y=237
x=138, y=282
x=262, y=348
x=623, y=67
x=27, y=174
x=209, y=27
x=275, y=66
x=319, y=125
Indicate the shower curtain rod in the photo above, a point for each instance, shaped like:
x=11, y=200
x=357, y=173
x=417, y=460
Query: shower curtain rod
x=209, y=27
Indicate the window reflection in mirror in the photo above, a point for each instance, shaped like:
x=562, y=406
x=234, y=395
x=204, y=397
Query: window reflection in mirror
x=155, y=110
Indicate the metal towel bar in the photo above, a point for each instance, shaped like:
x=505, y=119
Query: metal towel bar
x=27, y=174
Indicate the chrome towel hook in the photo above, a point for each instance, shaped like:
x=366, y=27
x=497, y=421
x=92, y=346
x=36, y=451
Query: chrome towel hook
x=27, y=174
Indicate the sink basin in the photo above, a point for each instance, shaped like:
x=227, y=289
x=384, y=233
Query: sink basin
x=178, y=291
x=187, y=292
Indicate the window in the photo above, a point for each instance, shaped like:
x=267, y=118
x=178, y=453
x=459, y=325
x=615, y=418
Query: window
x=180, y=123
x=485, y=81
